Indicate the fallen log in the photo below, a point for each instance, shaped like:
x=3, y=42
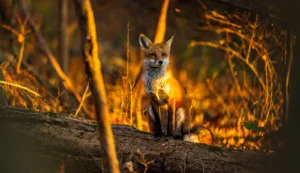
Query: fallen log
x=40, y=142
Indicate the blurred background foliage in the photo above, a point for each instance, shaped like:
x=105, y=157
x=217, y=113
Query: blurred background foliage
x=223, y=92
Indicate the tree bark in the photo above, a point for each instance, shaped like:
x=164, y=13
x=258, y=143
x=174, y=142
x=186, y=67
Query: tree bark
x=93, y=69
x=39, y=142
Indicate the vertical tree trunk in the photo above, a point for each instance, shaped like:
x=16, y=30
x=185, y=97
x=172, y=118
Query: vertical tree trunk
x=93, y=67
x=63, y=38
x=162, y=23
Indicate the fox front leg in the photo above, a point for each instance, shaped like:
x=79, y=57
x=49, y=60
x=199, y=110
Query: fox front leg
x=153, y=111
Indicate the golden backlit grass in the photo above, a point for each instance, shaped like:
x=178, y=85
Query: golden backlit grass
x=20, y=87
x=240, y=103
x=23, y=90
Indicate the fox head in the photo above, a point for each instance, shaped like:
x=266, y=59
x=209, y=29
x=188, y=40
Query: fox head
x=156, y=55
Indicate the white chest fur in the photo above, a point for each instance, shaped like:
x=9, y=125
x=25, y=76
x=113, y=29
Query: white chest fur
x=155, y=83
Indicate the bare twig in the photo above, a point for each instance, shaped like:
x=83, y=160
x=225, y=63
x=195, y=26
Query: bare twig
x=236, y=54
x=221, y=20
x=143, y=160
x=127, y=78
x=21, y=52
x=20, y=38
x=251, y=40
x=127, y=50
x=21, y=87
x=287, y=82
x=83, y=98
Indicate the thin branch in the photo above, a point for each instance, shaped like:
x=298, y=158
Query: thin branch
x=11, y=29
x=21, y=52
x=127, y=51
x=236, y=54
x=288, y=74
x=226, y=22
x=251, y=40
x=21, y=87
x=219, y=30
x=83, y=98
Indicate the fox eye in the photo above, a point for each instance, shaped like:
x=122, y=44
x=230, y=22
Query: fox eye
x=163, y=54
x=152, y=54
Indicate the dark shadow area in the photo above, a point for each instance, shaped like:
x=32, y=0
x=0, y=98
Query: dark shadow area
x=18, y=155
x=287, y=158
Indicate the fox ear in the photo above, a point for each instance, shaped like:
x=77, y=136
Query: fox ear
x=145, y=42
x=169, y=42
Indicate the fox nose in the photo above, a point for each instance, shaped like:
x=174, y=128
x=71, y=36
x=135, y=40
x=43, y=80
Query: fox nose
x=160, y=62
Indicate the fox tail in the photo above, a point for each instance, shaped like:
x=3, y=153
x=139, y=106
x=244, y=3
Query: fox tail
x=198, y=134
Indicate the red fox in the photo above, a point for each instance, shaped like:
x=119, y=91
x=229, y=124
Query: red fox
x=166, y=112
x=165, y=93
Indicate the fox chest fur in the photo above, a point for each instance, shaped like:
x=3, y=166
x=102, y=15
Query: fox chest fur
x=157, y=85
x=162, y=86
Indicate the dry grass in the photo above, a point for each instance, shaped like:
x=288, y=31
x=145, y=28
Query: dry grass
x=249, y=90
x=240, y=102
x=21, y=87
x=23, y=90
